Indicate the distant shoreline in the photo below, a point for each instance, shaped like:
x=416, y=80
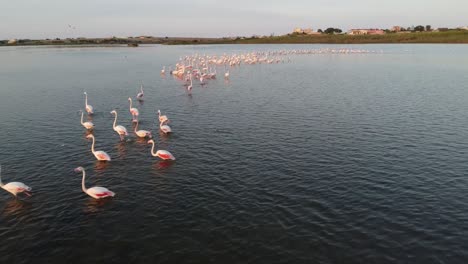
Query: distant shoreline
x=447, y=37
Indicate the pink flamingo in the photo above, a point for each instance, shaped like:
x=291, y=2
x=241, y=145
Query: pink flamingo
x=100, y=155
x=95, y=192
x=163, y=71
x=165, y=128
x=88, y=125
x=133, y=111
x=163, y=154
x=15, y=187
x=142, y=133
x=226, y=73
x=121, y=130
x=162, y=118
x=189, y=88
x=140, y=94
x=89, y=108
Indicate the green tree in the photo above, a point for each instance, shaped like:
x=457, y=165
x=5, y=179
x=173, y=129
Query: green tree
x=320, y=31
x=419, y=28
x=332, y=30
x=428, y=27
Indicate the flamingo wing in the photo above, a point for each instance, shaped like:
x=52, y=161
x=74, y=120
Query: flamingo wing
x=166, y=128
x=134, y=111
x=88, y=125
x=121, y=130
x=16, y=187
x=165, y=155
x=101, y=155
x=100, y=192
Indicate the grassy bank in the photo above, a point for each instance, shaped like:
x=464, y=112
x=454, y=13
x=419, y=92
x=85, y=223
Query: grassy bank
x=454, y=36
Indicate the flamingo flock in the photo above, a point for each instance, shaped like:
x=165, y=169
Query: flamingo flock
x=204, y=67
x=198, y=67
x=101, y=192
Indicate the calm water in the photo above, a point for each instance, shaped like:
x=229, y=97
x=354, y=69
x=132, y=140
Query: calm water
x=328, y=159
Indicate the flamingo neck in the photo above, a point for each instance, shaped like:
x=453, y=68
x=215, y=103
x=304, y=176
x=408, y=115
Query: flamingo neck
x=82, y=117
x=86, y=99
x=1, y=183
x=136, y=126
x=115, y=120
x=83, y=182
x=130, y=103
x=141, y=88
x=152, y=150
x=92, y=146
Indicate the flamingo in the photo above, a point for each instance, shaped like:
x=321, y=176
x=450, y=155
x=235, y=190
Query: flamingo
x=165, y=128
x=163, y=154
x=163, y=71
x=140, y=94
x=15, y=187
x=95, y=192
x=88, y=125
x=133, y=111
x=226, y=74
x=100, y=155
x=121, y=130
x=189, y=88
x=142, y=133
x=162, y=118
x=89, y=108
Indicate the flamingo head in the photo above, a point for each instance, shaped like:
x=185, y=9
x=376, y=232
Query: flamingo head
x=129, y=99
x=113, y=112
x=90, y=136
x=150, y=141
x=79, y=169
x=85, y=93
x=159, y=111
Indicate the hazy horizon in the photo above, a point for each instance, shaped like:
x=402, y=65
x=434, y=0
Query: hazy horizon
x=208, y=18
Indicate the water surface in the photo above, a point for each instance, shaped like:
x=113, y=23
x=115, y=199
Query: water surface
x=332, y=158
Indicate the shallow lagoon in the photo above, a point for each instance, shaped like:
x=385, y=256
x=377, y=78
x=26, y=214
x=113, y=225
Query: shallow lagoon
x=329, y=158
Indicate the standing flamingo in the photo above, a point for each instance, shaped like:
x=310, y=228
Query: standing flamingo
x=189, y=88
x=15, y=187
x=140, y=94
x=142, y=133
x=89, y=108
x=100, y=155
x=162, y=118
x=133, y=111
x=226, y=73
x=121, y=130
x=88, y=125
x=165, y=128
x=163, y=154
x=163, y=71
x=95, y=192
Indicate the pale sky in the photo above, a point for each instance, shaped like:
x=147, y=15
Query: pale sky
x=210, y=18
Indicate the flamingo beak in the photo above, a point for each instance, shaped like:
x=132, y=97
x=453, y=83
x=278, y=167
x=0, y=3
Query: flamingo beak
x=27, y=193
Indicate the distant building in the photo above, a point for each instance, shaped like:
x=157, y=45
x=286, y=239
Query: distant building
x=298, y=30
x=357, y=32
x=463, y=28
x=12, y=41
x=396, y=28
x=307, y=31
x=370, y=31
